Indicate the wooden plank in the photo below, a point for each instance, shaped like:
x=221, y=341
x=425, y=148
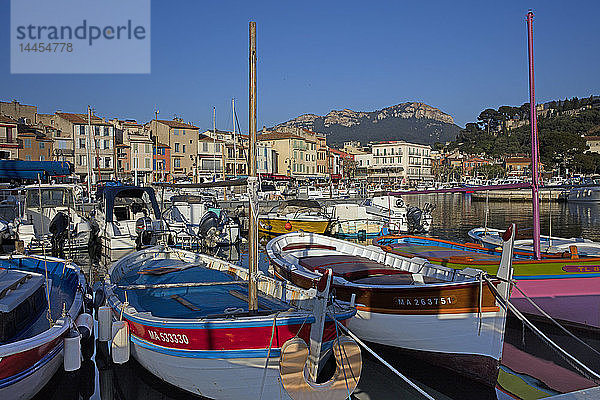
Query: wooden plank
x=184, y=302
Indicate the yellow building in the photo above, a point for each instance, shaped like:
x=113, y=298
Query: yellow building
x=296, y=155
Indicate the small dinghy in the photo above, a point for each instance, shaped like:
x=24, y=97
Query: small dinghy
x=41, y=301
x=185, y=318
x=455, y=319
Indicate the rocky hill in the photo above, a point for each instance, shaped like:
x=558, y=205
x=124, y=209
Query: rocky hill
x=413, y=122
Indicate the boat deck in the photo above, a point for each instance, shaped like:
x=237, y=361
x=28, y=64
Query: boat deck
x=441, y=252
x=185, y=302
x=360, y=270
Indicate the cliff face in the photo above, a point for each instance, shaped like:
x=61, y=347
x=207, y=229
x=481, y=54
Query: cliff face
x=414, y=122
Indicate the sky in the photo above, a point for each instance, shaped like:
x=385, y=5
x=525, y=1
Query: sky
x=318, y=56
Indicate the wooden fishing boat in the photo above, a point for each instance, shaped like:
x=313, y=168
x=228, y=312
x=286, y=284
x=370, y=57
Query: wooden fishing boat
x=294, y=215
x=188, y=321
x=36, y=314
x=490, y=238
x=448, y=317
x=565, y=285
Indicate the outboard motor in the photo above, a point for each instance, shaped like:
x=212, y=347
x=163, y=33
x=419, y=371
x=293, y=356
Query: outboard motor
x=413, y=218
x=209, y=229
x=143, y=228
x=59, y=228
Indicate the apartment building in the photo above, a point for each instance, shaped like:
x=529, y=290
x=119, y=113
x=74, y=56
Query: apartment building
x=134, y=151
x=162, y=163
x=399, y=161
x=210, y=157
x=296, y=155
x=182, y=140
x=9, y=146
x=34, y=145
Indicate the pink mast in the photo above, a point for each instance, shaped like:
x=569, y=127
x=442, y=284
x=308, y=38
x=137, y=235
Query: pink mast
x=534, y=142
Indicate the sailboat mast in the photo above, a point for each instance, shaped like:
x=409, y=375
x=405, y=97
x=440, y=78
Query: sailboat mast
x=534, y=142
x=89, y=155
x=214, y=143
x=234, y=139
x=252, y=231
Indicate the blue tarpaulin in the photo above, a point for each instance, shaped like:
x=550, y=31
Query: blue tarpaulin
x=17, y=169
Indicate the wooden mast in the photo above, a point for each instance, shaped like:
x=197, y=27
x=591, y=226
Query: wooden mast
x=534, y=142
x=252, y=231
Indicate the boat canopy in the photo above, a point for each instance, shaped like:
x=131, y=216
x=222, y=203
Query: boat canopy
x=110, y=193
x=295, y=205
x=18, y=169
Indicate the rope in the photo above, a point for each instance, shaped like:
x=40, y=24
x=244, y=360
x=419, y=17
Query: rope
x=262, y=384
x=394, y=370
x=49, y=310
x=575, y=363
x=340, y=349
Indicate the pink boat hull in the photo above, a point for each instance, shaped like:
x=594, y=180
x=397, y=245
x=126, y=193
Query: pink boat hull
x=573, y=300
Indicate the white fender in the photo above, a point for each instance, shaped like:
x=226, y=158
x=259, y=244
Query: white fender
x=293, y=371
x=72, y=351
x=85, y=325
x=104, y=324
x=120, y=342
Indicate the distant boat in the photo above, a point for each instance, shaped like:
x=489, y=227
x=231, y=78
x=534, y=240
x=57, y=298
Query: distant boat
x=294, y=215
x=433, y=311
x=491, y=238
x=399, y=216
x=565, y=285
x=33, y=330
x=189, y=324
x=584, y=194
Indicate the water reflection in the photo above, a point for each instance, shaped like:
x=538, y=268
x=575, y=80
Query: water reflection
x=530, y=368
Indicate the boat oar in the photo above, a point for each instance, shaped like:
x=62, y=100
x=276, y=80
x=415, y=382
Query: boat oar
x=178, y=285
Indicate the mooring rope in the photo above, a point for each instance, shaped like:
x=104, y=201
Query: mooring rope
x=262, y=384
x=574, y=362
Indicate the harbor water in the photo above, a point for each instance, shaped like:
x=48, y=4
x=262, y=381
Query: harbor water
x=531, y=369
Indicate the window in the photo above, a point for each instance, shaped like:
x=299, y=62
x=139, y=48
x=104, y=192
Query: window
x=176, y=147
x=82, y=160
x=26, y=143
x=183, y=148
x=135, y=148
x=205, y=147
x=107, y=162
x=9, y=134
x=106, y=144
x=62, y=144
x=82, y=143
x=177, y=163
x=42, y=145
x=147, y=163
x=82, y=129
x=107, y=130
x=148, y=148
x=96, y=131
x=217, y=148
x=176, y=132
x=28, y=157
x=42, y=158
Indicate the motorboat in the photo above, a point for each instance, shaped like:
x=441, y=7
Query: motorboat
x=451, y=318
x=41, y=300
x=294, y=215
x=351, y=221
x=185, y=317
x=128, y=218
x=491, y=238
x=195, y=219
x=49, y=218
x=399, y=216
x=565, y=285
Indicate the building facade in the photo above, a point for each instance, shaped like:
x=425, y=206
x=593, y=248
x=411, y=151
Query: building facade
x=182, y=140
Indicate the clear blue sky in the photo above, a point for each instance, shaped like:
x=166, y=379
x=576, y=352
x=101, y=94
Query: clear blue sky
x=461, y=57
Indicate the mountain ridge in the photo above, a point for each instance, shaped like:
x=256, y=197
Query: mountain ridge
x=410, y=121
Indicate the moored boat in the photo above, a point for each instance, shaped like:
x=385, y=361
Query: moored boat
x=436, y=312
x=189, y=323
x=36, y=315
x=294, y=215
x=564, y=285
x=490, y=238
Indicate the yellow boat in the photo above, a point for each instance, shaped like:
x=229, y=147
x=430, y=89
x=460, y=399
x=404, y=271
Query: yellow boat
x=294, y=215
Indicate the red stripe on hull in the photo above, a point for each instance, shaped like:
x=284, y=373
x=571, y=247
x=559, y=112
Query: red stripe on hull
x=225, y=338
x=16, y=363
